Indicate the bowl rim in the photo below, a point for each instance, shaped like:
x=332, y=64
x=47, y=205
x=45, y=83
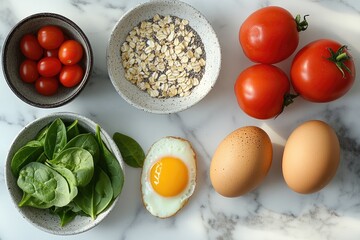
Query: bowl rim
x=87, y=72
x=109, y=143
x=110, y=72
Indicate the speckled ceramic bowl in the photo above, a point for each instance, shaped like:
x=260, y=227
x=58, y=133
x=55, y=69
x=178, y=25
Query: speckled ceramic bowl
x=12, y=58
x=42, y=218
x=130, y=92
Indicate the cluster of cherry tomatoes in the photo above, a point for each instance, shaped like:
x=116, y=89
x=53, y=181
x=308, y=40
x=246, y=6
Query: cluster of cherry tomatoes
x=51, y=59
x=321, y=71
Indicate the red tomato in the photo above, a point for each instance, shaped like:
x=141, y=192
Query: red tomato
x=51, y=53
x=262, y=91
x=28, y=71
x=270, y=35
x=71, y=75
x=50, y=37
x=49, y=66
x=47, y=86
x=70, y=52
x=30, y=47
x=315, y=74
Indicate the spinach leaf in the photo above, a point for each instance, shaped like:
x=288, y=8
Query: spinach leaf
x=103, y=192
x=110, y=165
x=26, y=154
x=42, y=158
x=85, y=199
x=41, y=135
x=86, y=141
x=96, y=196
x=33, y=143
x=66, y=214
x=131, y=151
x=70, y=178
x=76, y=209
x=44, y=184
x=55, y=138
x=28, y=200
x=79, y=161
x=72, y=130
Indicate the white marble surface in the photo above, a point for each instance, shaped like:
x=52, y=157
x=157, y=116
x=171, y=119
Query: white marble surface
x=272, y=211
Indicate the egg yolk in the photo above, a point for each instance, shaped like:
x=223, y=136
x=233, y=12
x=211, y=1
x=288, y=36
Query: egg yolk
x=169, y=176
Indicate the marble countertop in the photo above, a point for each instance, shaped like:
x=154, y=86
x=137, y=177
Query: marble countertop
x=272, y=211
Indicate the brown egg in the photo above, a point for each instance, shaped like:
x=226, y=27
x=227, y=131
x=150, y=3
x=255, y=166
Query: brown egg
x=241, y=161
x=311, y=157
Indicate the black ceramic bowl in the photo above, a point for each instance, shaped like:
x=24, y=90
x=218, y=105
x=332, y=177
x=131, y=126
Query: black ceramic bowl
x=12, y=58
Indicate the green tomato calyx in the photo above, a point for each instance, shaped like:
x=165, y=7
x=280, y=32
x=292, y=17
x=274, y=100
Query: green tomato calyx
x=339, y=58
x=288, y=99
x=301, y=25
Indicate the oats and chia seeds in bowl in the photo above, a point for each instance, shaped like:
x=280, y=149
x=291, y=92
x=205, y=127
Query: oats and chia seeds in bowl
x=164, y=56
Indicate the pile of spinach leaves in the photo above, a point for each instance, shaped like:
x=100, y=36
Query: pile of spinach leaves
x=67, y=170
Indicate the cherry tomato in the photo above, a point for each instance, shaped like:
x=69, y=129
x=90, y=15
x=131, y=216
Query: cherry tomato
x=47, y=86
x=28, y=71
x=30, y=47
x=322, y=71
x=50, y=37
x=270, y=35
x=49, y=66
x=262, y=91
x=51, y=53
x=70, y=52
x=71, y=75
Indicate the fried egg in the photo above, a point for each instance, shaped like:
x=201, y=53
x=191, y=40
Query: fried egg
x=168, y=176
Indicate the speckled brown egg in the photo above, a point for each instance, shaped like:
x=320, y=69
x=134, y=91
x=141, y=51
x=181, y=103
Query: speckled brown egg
x=241, y=161
x=311, y=157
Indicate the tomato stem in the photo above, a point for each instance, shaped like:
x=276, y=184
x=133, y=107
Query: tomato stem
x=301, y=25
x=288, y=99
x=339, y=58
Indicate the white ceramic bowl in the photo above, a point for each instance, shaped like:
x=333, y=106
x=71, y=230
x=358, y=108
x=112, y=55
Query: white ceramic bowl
x=140, y=99
x=41, y=218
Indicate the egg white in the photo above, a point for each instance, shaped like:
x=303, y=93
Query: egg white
x=156, y=204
